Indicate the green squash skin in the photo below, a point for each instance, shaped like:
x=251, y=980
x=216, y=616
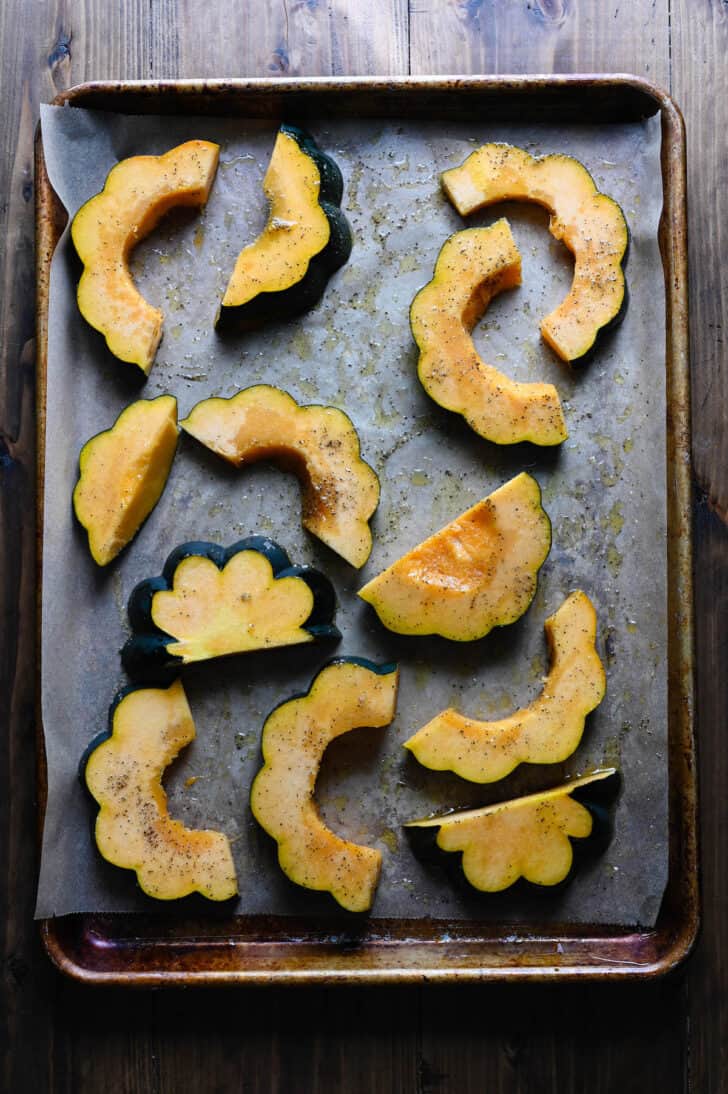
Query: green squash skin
x=145, y=656
x=299, y=298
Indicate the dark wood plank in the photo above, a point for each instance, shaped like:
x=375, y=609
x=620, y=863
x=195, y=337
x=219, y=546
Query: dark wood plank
x=540, y=36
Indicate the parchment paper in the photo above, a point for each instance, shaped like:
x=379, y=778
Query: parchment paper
x=604, y=491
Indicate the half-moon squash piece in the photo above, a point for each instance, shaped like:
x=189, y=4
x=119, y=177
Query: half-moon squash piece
x=122, y=473
x=214, y=601
x=473, y=267
x=478, y=572
x=589, y=223
x=347, y=694
x=526, y=837
x=123, y=770
x=317, y=443
x=136, y=195
x=547, y=731
x=307, y=238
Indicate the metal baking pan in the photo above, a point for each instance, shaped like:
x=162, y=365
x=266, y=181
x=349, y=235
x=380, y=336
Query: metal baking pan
x=159, y=949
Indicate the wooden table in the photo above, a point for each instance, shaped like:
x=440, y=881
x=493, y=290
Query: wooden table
x=669, y=1036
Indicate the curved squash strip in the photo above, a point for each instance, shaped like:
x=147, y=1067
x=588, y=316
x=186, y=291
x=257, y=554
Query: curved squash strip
x=547, y=731
x=122, y=473
x=590, y=224
x=307, y=237
x=213, y=601
x=134, y=830
x=345, y=695
x=478, y=572
x=525, y=837
x=473, y=267
x=137, y=193
x=318, y=443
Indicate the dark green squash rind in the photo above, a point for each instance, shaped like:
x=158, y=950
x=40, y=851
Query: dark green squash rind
x=301, y=297
x=145, y=656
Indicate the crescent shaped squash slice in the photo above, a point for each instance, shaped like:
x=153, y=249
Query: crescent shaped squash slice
x=346, y=694
x=123, y=768
x=547, y=731
x=478, y=572
x=214, y=601
x=307, y=238
x=122, y=473
x=473, y=267
x=589, y=223
x=136, y=195
x=317, y=443
x=526, y=837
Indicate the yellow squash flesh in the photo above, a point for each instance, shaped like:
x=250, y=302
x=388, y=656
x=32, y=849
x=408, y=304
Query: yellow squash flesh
x=547, y=731
x=123, y=472
x=345, y=695
x=213, y=612
x=133, y=827
x=525, y=837
x=297, y=228
x=318, y=443
x=589, y=223
x=472, y=267
x=137, y=193
x=478, y=572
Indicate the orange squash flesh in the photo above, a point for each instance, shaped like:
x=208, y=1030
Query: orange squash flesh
x=472, y=267
x=318, y=443
x=526, y=837
x=137, y=193
x=545, y=732
x=589, y=223
x=478, y=572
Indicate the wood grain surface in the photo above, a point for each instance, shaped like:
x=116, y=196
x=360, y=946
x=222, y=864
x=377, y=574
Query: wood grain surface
x=666, y=1037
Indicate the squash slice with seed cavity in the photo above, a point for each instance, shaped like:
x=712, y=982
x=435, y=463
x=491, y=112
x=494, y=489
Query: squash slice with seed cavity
x=478, y=572
x=317, y=443
x=307, y=238
x=123, y=770
x=213, y=601
x=346, y=694
x=137, y=193
x=589, y=223
x=547, y=731
x=122, y=473
x=526, y=837
x=472, y=267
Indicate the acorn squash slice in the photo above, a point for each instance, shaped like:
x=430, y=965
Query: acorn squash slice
x=213, y=601
x=478, y=572
x=137, y=193
x=589, y=223
x=122, y=473
x=547, y=731
x=472, y=267
x=307, y=238
x=347, y=694
x=317, y=443
x=526, y=837
x=123, y=770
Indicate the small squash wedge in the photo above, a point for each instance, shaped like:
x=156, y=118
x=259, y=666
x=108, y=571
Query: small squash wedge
x=526, y=837
x=478, y=572
x=547, y=731
x=346, y=694
x=137, y=193
x=123, y=770
x=213, y=601
x=589, y=223
x=307, y=238
x=317, y=443
x=122, y=473
x=472, y=267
